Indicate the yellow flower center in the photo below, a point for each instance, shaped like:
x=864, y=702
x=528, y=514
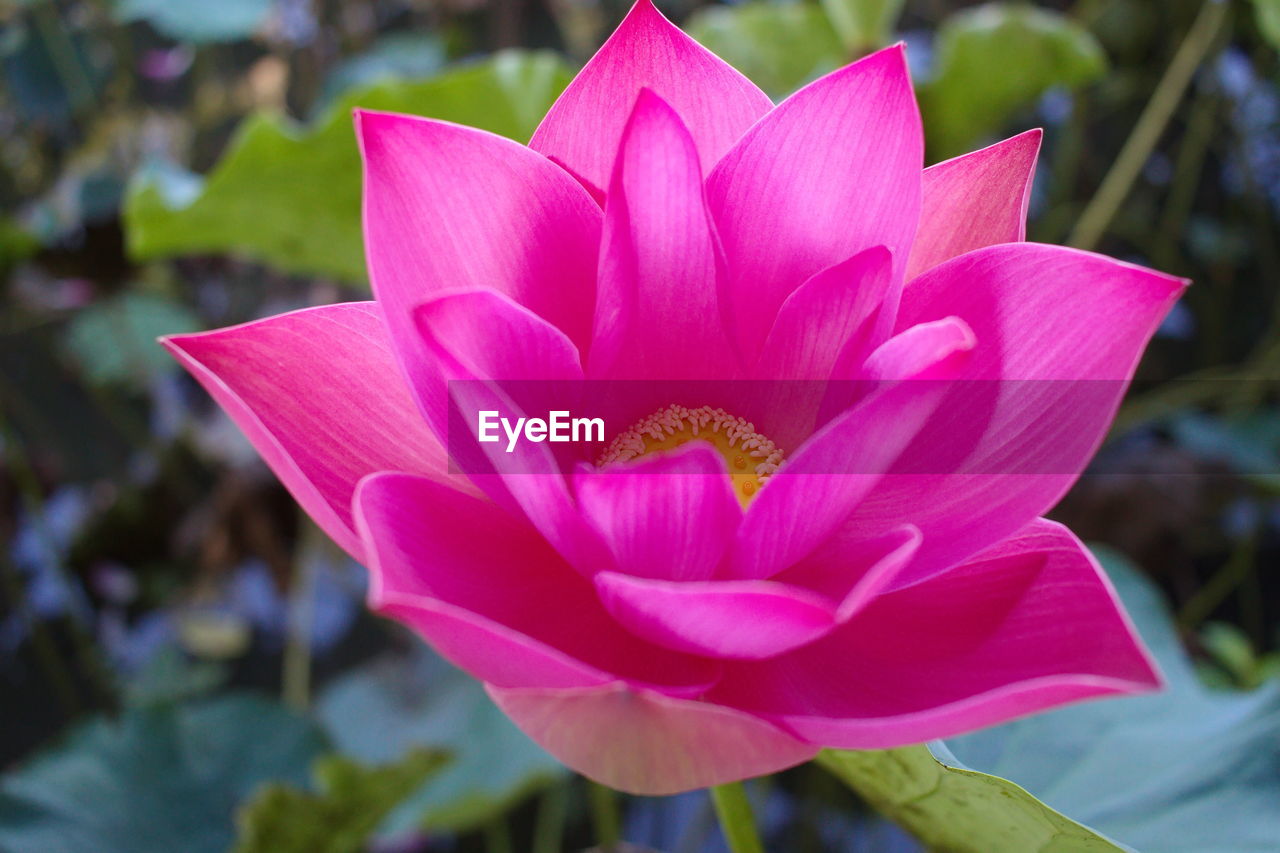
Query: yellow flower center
x=750, y=456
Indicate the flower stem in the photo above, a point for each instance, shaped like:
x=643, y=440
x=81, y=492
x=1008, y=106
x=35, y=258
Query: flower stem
x=1151, y=125
x=736, y=820
x=604, y=815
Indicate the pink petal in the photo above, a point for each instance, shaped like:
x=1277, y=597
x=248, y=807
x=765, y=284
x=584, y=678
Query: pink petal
x=668, y=516
x=645, y=743
x=474, y=335
x=855, y=573
x=583, y=127
x=451, y=207
x=493, y=597
x=721, y=619
x=977, y=200
x=833, y=170
x=318, y=393
x=658, y=309
x=471, y=337
x=1060, y=333
x=1029, y=624
x=817, y=325
x=924, y=351
x=825, y=328
x=821, y=483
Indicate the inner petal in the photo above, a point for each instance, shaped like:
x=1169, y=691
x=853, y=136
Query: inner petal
x=751, y=457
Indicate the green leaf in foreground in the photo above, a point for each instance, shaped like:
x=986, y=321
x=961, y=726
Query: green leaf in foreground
x=995, y=59
x=378, y=712
x=156, y=780
x=289, y=195
x=779, y=46
x=958, y=810
x=350, y=802
x=1186, y=770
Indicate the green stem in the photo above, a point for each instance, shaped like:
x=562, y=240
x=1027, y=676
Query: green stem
x=296, y=665
x=497, y=837
x=1219, y=587
x=548, y=827
x=1151, y=125
x=736, y=820
x=605, y=815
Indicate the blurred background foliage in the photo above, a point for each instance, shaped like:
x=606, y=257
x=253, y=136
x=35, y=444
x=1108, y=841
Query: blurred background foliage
x=185, y=663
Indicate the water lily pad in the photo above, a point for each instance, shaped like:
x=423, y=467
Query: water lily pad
x=289, y=195
x=114, y=340
x=1186, y=769
x=378, y=712
x=197, y=20
x=156, y=780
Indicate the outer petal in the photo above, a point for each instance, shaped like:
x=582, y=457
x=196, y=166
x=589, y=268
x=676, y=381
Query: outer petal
x=669, y=516
x=751, y=620
x=451, y=207
x=318, y=393
x=582, y=128
x=977, y=200
x=492, y=597
x=472, y=337
x=1060, y=332
x=1027, y=625
x=834, y=170
x=854, y=574
x=645, y=743
x=658, y=308
x=720, y=619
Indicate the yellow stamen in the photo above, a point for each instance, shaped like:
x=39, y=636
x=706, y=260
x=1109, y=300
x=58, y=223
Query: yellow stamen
x=751, y=457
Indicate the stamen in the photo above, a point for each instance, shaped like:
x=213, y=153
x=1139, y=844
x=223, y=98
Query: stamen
x=751, y=457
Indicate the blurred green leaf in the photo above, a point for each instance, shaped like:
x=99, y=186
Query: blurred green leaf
x=289, y=196
x=863, y=24
x=995, y=59
x=16, y=243
x=377, y=713
x=778, y=45
x=197, y=21
x=1267, y=14
x=350, y=802
x=114, y=340
x=155, y=780
x=1188, y=768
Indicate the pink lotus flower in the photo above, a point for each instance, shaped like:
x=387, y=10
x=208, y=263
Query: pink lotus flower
x=659, y=632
